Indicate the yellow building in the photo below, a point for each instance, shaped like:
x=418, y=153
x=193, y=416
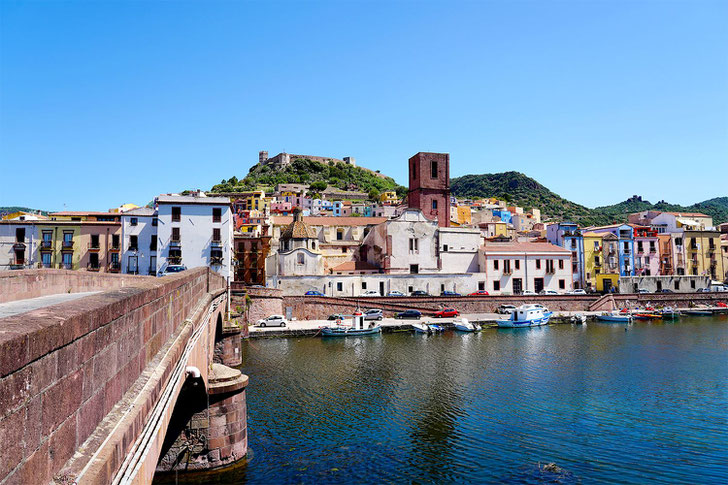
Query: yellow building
x=703, y=254
x=59, y=244
x=389, y=198
x=463, y=215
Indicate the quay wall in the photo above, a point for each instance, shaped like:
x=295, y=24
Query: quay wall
x=63, y=368
x=32, y=283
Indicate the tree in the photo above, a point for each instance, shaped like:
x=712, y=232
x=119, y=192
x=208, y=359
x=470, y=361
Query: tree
x=318, y=186
x=374, y=194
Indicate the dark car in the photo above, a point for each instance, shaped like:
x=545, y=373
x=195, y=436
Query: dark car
x=419, y=293
x=666, y=290
x=450, y=293
x=413, y=314
x=314, y=293
x=336, y=316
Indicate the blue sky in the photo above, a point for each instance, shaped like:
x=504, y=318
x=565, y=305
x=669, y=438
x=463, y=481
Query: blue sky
x=103, y=103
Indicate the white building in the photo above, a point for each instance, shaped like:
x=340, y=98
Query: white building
x=139, y=241
x=459, y=249
x=195, y=231
x=514, y=267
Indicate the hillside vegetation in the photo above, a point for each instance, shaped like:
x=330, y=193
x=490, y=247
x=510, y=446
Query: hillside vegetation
x=317, y=174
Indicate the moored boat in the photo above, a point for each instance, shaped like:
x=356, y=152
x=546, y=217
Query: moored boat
x=615, y=317
x=346, y=331
x=698, y=313
x=465, y=326
x=420, y=327
x=646, y=316
x=669, y=313
x=526, y=316
x=579, y=318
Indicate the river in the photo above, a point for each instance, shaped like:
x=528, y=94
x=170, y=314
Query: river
x=647, y=403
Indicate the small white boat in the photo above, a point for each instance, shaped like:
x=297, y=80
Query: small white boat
x=465, y=326
x=615, y=316
x=420, y=327
x=526, y=316
x=579, y=318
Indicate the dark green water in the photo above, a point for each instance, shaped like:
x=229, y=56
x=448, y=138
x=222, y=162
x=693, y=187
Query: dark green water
x=647, y=405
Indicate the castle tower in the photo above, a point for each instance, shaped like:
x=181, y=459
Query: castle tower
x=429, y=186
x=262, y=156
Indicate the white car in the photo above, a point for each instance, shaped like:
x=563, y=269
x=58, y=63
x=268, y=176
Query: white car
x=528, y=293
x=549, y=292
x=370, y=293
x=395, y=293
x=578, y=291
x=272, y=321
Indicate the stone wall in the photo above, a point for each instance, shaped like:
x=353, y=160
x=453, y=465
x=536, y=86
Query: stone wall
x=32, y=283
x=265, y=302
x=63, y=368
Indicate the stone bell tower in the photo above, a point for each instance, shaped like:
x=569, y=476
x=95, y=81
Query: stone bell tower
x=429, y=186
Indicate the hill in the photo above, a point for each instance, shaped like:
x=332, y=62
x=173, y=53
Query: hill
x=11, y=209
x=526, y=192
x=317, y=174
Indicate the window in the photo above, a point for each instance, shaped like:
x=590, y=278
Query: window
x=133, y=243
x=48, y=235
x=433, y=169
x=677, y=284
x=596, y=245
x=538, y=264
x=562, y=284
x=481, y=285
x=518, y=263
x=95, y=241
x=155, y=222
x=496, y=286
x=339, y=286
x=549, y=265
x=175, y=234
x=561, y=264
x=444, y=248
x=153, y=243
x=133, y=221
x=413, y=245
x=115, y=241
x=216, y=214
x=414, y=268
x=343, y=249
x=597, y=261
x=46, y=257
x=20, y=234
x=67, y=239
x=216, y=235
x=506, y=266
x=692, y=284
x=639, y=246
x=363, y=285
x=434, y=204
x=413, y=171
x=339, y=234
x=300, y=258
x=176, y=214
x=495, y=264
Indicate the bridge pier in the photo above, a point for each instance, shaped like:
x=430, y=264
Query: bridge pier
x=208, y=427
x=228, y=344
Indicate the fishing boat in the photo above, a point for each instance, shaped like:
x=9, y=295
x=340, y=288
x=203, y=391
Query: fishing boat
x=526, y=316
x=435, y=327
x=698, y=313
x=646, y=316
x=669, y=313
x=465, y=326
x=419, y=327
x=579, y=318
x=615, y=317
x=357, y=328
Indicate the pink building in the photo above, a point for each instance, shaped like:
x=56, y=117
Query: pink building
x=646, y=251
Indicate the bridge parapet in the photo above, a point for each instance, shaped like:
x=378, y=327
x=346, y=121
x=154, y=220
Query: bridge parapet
x=65, y=369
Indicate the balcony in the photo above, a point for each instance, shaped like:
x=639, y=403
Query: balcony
x=626, y=252
x=115, y=248
x=175, y=260
x=44, y=265
x=19, y=245
x=46, y=245
x=92, y=267
x=216, y=243
x=550, y=270
x=175, y=243
x=65, y=265
x=94, y=247
x=507, y=271
x=114, y=267
x=17, y=266
x=67, y=246
x=216, y=260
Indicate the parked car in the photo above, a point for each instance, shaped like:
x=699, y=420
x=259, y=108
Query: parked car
x=479, y=293
x=506, y=308
x=528, y=293
x=576, y=291
x=411, y=314
x=373, y=314
x=546, y=291
x=272, y=321
x=666, y=290
x=450, y=293
x=718, y=288
x=419, y=293
x=314, y=293
x=336, y=316
x=703, y=290
x=642, y=291
x=173, y=268
x=447, y=313
x=370, y=293
x=395, y=293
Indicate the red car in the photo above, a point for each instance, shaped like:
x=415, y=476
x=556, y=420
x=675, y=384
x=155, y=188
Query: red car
x=447, y=313
x=479, y=293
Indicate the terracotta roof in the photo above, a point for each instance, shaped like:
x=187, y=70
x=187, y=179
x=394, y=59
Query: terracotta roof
x=355, y=266
x=331, y=221
x=523, y=247
x=687, y=214
x=85, y=213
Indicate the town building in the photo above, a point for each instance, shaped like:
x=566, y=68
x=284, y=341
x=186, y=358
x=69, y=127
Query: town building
x=251, y=251
x=657, y=284
x=195, y=231
x=625, y=245
x=646, y=249
x=429, y=186
x=568, y=235
x=139, y=241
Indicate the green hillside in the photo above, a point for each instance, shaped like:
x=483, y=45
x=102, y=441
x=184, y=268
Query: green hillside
x=11, y=209
x=317, y=174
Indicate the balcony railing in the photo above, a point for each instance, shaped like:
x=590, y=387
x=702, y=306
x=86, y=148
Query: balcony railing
x=17, y=265
x=94, y=246
x=216, y=260
x=45, y=265
x=115, y=247
x=67, y=245
x=19, y=245
x=550, y=270
x=114, y=267
x=175, y=259
x=216, y=243
x=65, y=265
x=92, y=267
x=507, y=271
x=46, y=245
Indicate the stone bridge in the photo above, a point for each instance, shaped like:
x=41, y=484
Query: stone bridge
x=111, y=387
